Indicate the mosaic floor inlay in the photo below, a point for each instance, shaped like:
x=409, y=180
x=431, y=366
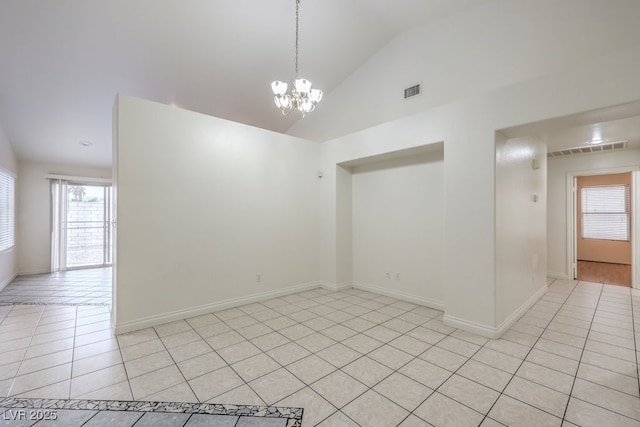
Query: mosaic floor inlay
x=15, y=411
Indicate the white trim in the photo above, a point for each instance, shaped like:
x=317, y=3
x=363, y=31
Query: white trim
x=83, y=179
x=235, y=302
x=635, y=264
x=427, y=302
x=466, y=325
x=335, y=287
x=112, y=318
x=557, y=275
x=9, y=280
x=511, y=319
x=34, y=272
x=572, y=250
x=145, y=322
x=490, y=331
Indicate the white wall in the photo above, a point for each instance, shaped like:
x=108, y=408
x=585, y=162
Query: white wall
x=398, y=226
x=34, y=211
x=468, y=130
x=478, y=50
x=344, y=230
x=559, y=265
x=8, y=258
x=521, y=232
x=204, y=205
x=497, y=66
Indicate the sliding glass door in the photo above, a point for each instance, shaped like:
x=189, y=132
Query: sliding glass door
x=82, y=231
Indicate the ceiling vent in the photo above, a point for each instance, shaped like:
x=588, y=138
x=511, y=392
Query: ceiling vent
x=618, y=145
x=412, y=91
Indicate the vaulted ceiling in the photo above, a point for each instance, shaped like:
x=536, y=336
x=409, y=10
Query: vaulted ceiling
x=63, y=62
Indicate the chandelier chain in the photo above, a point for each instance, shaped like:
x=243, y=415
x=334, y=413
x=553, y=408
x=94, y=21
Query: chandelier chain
x=297, y=6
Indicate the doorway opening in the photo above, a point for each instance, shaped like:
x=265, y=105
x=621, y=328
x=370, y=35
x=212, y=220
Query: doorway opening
x=603, y=228
x=82, y=225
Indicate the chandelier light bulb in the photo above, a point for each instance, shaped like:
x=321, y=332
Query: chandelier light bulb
x=315, y=95
x=278, y=87
x=302, y=86
x=283, y=102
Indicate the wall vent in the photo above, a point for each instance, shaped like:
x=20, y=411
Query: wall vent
x=412, y=91
x=618, y=145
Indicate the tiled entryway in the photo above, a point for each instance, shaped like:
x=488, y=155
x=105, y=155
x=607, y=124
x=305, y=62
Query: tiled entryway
x=348, y=358
x=89, y=286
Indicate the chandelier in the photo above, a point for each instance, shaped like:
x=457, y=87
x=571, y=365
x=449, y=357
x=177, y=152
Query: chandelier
x=302, y=97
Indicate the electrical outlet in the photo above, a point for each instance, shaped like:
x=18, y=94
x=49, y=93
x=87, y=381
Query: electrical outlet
x=258, y=278
x=398, y=276
x=388, y=274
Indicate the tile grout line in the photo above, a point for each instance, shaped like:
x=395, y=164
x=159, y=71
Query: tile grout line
x=228, y=364
x=635, y=341
x=176, y=365
x=124, y=366
x=361, y=356
x=525, y=358
x=601, y=385
x=387, y=342
x=595, y=310
x=314, y=353
x=73, y=349
x=26, y=351
x=291, y=341
x=282, y=345
x=447, y=379
x=405, y=364
x=366, y=354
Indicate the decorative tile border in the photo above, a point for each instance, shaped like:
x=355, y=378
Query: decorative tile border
x=70, y=304
x=294, y=415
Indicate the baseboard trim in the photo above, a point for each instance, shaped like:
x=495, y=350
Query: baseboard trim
x=334, y=287
x=146, y=322
x=7, y=281
x=466, y=325
x=511, y=319
x=427, y=302
x=556, y=275
x=490, y=331
x=33, y=272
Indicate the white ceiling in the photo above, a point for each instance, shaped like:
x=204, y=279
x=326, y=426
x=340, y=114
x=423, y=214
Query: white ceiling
x=63, y=61
x=627, y=129
x=612, y=124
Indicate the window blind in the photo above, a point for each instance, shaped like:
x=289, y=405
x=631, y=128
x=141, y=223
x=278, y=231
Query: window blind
x=605, y=212
x=7, y=211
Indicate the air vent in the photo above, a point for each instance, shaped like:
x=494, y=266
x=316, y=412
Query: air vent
x=412, y=91
x=618, y=145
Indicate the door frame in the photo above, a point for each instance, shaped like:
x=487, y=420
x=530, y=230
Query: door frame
x=572, y=209
x=73, y=180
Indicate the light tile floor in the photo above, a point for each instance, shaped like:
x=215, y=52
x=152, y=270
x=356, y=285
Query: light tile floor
x=348, y=358
x=88, y=286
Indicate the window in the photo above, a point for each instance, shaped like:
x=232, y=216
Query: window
x=7, y=210
x=605, y=212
